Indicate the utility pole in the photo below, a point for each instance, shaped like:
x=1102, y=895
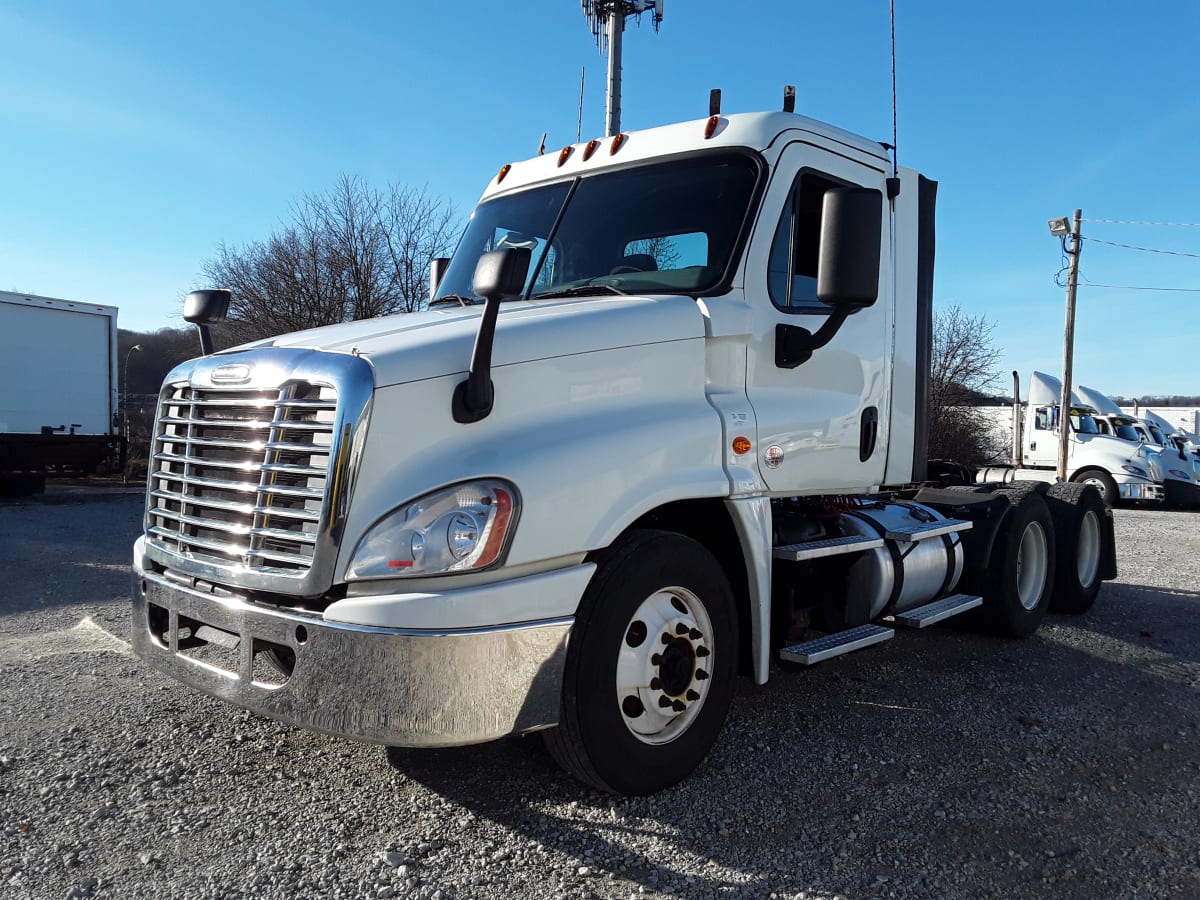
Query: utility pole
x=606, y=18
x=1064, y=415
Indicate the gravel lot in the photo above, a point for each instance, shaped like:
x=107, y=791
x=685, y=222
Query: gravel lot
x=942, y=764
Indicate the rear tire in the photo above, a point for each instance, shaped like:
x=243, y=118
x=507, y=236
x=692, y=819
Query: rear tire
x=1082, y=541
x=650, y=666
x=1020, y=573
x=1102, y=482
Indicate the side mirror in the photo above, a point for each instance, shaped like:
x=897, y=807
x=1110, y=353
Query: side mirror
x=204, y=308
x=498, y=274
x=851, y=230
x=502, y=272
x=437, y=270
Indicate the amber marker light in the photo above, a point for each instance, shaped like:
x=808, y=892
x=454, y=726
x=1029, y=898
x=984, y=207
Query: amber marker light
x=616, y=144
x=711, y=128
x=564, y=154
x=504, y=169
x=592, y=146
x=741, y=445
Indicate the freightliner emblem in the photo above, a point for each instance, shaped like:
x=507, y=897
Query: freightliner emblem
x=234, y=374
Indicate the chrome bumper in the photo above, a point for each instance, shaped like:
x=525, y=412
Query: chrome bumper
x=382, y=685
x=1141, y=490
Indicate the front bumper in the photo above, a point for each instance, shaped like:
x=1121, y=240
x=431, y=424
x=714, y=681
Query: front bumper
x=1182, y=494
x=1141, y=490
x=400, y=687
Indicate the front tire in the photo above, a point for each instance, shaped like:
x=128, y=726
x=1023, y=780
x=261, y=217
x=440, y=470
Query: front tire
x=1101, y=481
x=650, y=666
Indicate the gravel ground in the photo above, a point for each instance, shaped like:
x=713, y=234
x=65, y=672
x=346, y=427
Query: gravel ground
x=942, y=764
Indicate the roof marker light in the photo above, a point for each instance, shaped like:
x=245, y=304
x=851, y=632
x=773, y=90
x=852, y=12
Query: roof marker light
x=616, y=143
x=563, y=154
x=591, y=148
x=504, y=169
x=711, y=128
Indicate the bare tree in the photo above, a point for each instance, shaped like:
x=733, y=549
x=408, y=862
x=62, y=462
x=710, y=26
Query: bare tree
x=663, y=249
x=964, y=369
x=351, y=253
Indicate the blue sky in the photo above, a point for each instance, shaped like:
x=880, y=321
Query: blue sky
x=135, y=137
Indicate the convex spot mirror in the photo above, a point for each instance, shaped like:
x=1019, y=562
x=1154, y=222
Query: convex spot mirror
x=206, y=307
x=848, y=266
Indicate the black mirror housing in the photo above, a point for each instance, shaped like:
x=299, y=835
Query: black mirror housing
x=206, y=307
x=851, y=230
x=502, y=273
x=437, y=270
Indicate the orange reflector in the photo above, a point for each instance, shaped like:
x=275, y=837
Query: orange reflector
x=563, y=154
x=591, y=148
x=711, y=127
x=503, y=171
x=741, y=445
x=616, y=144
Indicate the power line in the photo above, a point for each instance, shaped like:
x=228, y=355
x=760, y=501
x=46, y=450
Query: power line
x=1140, y=222
x=1144, y=249
x=1131, y=287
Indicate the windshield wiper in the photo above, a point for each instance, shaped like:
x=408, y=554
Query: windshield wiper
x=454, y=298
x=581, y=290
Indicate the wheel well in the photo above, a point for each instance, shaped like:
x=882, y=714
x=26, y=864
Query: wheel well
x=708, y=523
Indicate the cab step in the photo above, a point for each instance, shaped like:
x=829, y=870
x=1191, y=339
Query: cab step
x=912, y=532
x=826, y=547
x=836, y=644
x=924, y=616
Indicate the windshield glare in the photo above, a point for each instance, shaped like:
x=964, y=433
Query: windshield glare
x=666, y=228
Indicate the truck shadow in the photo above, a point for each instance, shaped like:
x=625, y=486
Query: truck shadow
x=941, y=752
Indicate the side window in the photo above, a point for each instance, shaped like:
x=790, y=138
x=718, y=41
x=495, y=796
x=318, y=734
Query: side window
x=792, y=270
x=1103, y=426
x=1041, y=419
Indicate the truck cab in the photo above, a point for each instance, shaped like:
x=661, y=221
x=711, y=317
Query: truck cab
x=662, y=424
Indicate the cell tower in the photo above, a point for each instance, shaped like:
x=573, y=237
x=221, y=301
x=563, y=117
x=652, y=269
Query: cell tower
x=606, y=18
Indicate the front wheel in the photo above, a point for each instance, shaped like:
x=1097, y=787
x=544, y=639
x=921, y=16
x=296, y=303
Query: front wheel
x=650, y=666
x=1101, y=481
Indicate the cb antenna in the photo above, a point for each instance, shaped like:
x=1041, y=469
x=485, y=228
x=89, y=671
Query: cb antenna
x=606, y=19
x=893, y=183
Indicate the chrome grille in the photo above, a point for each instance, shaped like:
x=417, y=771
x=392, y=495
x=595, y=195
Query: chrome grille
x=239, y=477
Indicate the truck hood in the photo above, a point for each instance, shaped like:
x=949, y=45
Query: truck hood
x=434, y=343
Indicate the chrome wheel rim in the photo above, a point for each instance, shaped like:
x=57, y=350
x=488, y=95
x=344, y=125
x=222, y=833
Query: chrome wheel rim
x=1032, y=556
x=1087, y=558
x=664, y=665
x=1099, y=485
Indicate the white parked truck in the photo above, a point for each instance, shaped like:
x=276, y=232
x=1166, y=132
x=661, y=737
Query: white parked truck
x=664, y=423
x=1180, y=485
x=1117, y=470
x=58, y=407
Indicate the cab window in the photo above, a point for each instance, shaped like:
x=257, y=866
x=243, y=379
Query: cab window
x=792, y=270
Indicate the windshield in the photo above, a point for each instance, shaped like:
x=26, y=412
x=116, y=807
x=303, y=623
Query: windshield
x=1124, y=427
x=666, y=228
x=1083, y=422
x=1157, y=435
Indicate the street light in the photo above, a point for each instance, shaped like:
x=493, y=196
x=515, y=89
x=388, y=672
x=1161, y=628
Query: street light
x=125, y=412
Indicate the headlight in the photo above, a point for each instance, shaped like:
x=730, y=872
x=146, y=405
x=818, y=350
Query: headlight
x=1135, y=470
x=457, y=529
x=1177, y=473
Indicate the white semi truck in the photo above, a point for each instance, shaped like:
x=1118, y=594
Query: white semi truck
x=663, y=424
x=1180, y=485
x=1117, y=470
x=58, y=406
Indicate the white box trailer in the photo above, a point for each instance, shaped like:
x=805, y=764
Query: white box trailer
x=58, y=368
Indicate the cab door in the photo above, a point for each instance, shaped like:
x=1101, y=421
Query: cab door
x=822, y=423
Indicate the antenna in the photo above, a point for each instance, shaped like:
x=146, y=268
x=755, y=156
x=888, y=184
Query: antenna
x=606, y=19
x=579, y=124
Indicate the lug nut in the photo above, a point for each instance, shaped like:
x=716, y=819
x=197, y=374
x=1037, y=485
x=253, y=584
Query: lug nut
x=701, y=674
x=702, y=651
x=692, y=695
x=656, y=684
x=679, y=706
x=681, y=629
x=695, y=634
x=664, y=701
